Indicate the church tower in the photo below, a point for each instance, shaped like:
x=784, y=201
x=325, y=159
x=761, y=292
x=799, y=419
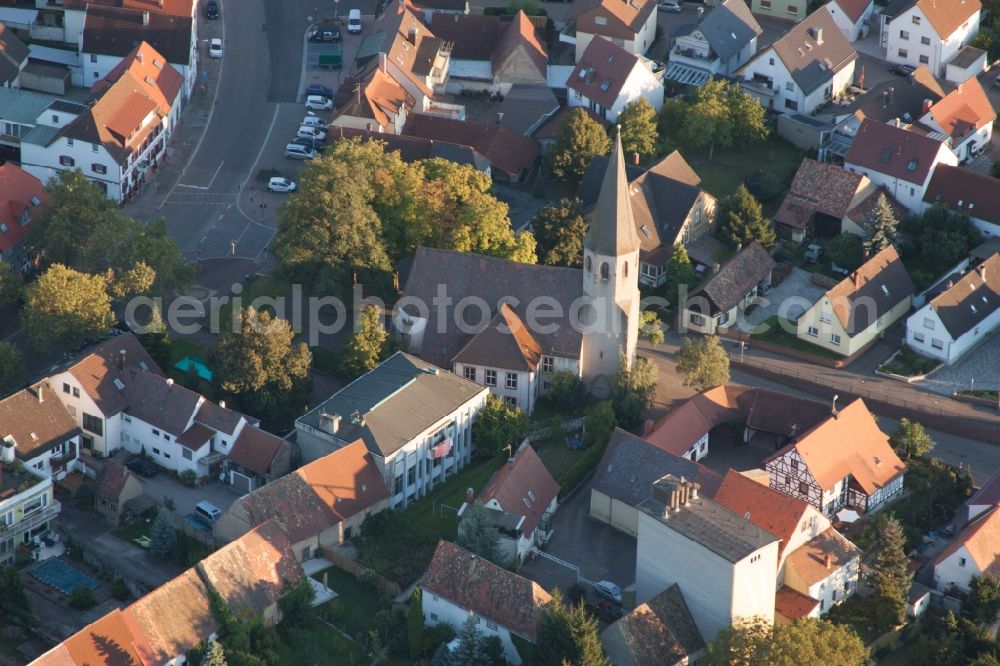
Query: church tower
x=610, y=279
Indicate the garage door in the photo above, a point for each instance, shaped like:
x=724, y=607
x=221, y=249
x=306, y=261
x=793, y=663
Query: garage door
x=240, y=482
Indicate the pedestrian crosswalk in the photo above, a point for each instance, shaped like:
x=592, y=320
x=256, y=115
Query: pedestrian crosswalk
x=183, y=197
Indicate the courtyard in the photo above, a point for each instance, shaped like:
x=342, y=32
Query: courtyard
x=789, y=300
x=979, y=370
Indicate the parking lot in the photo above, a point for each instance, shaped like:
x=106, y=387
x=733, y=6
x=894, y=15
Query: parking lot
x=790, y=299
x=166, y=485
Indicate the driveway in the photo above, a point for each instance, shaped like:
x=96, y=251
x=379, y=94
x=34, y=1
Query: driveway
x=165, y=485
x=789, y=299
x=979, y=369
x=600, y=551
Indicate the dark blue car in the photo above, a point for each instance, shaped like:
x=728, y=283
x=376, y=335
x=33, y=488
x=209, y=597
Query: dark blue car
x=319, y=89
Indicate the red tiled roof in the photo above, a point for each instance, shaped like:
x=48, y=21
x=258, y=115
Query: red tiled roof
x=382, y=98
x=505, y=343
x=878, y=286
x=172, y=7
x=18, y=192
x=174, y=618
x=766, y=508
x=964, y=110
x=792, y=605
x=809, y=560
x=973, y=194
x=523, y=487
x=853, y=9
x=115, y=31
x=159, y=78
x=255, y=449
x=476, y=584
x=98, y=370
x=981, y=539
x=107, y=641
x=507, y=150
x=682, y=427
x=945, y=16
x=818, y=188
x=893, y=151
x=622, y=19
x=112, y=481
x=520, y=33
x=601, y=72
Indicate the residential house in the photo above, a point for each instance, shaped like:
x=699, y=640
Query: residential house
x=892, y=101
x=431, y=7
x=960, y=317
x=123, y=135
x=320, y=505
x=607, y=78
x=458, y=585
x=75, y=13
x=774, y=419
x=668, y=206
x=20, y=195
x=111, y=33
x=928, y=32
x=625, y=476
x=605, y=284
x=861, y=307
x=525, y=493
x=13, y=58
x=91, y=644
x=119, y=398
x=985, y=498
x=684, y=431
x=723, y=563
x=493, y=53
x=27, y=506
x=630, y=25
x=812, y=64
x=28, y=115
x=898, y=159
x=545, y=134
x=965, y=116
x=660, y=632
x=852, y=17
x=414, y=148
x=825, y=200
x=972, y=553
x=718, y=45
x=526, y=107
x=38, y=430
x=786, y=10
x=116, y=485
x=814, y=560
x=372, y=101
x=970, y=193
x=415, y=419
x=252, y=572
x=843, y=461
x=720, y=301
x=511, y=156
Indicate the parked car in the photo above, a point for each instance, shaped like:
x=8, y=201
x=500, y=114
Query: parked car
x=671, y=6
x=318, y=103
x=309, y=132
x=207, y=511
x=212, y=9
x=311, y=144
x=608, y=590
x=354, y=21
x=813, y=253
x=215, y=48
x=902, y=70
x=325, y=33
x=313, y=121
x=279, y=184
x=318, y=89
x=294, y=151
x=143, y=467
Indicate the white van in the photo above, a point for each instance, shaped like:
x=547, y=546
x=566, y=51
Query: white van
x=207, y=511
x=354, y=21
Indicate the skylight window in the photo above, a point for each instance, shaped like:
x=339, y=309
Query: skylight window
x=912, y=166
x=605, y=86
x=886, y=155
x=885, y=290
x=645, y=230
x=35, y=201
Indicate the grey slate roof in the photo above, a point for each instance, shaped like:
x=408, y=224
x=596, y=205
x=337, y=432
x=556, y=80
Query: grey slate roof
x=713, y=526
x=811, y=62
x=399, y=399
x=612, y=229
x=631, y=464
x=22, y=106
x=972, y=299
x=737, y=277
x=13, y=52
x=729, y=28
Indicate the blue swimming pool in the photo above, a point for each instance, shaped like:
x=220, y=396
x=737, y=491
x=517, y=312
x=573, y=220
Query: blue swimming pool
x=62, y=576
x=200, y=368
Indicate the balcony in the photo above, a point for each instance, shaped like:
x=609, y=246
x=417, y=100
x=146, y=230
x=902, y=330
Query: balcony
x=33, y=520
x=696, y=57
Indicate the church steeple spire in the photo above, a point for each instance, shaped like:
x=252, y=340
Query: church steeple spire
x=612, y=227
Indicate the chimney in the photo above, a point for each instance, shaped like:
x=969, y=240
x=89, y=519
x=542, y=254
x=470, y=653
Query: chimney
x=329, y=423
x=381, y=59
x=121, y=359
x=222, y=403
x=885, y=99
x=40, y=391
x=647, y=427
x=981, y=269
x=411, y=35
x=145, y=18
x=828, y=560
x=715, y=268
x=695, y=486
x=833, y=406
x=855, y=278
x=818, y=34
x=159, y=3
x=470, y=496
x=926, y=106
x=170, y=382
x=635, y=159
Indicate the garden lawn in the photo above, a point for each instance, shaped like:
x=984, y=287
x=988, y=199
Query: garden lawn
x=558, y=458
x=356, y=604
x=325, y=645
x=730, y=167
x=134, y=531
x=777, y=335
x=403, y=554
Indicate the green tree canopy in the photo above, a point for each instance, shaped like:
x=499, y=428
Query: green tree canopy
x=369, y=345
x=263, y=369
x=599, y=422
x=579, y=140
x=910, y=440
x=415, y=625
x=215, y=655
x=881, y=225
x=846, y=250
x=64, y=307
x=568, y=635
x=477, y=534
x=559, y=231
x=743, y=220
x=805, y=641
x=498, y=426
x=163, y=536
x=985, y=600
x=12, y=372
x=14, y=601
x=650, y=327
x=10, y=285
x=939, y=239
x=632, y=390
x=74, y=210
x=639, y=132
x=704, y=363
x=709, y=122
x=892, y=576
x=680, y=272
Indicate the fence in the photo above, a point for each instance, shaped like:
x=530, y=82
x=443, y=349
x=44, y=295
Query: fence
x=357, y=570
x=937, y=412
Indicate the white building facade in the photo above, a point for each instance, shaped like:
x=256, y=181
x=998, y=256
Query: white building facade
x=912, y=38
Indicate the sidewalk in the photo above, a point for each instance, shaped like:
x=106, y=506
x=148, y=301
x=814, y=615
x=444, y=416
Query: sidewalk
x=187, y=135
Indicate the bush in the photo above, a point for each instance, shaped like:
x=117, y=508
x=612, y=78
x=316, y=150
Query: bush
x=581, y=468
x=567, y=392
x=82, y=599
x=439, y=634
x=120, y=591
x=189, y=478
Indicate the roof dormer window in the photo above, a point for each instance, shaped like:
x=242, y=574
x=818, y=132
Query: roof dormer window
x=601, y=20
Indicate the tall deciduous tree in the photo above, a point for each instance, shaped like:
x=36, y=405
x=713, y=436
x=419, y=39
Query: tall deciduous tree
x=743, y=220
x=892, y=576
x=805, y=641
x=477, y=534
x=559, y=232
x=12, y=372
x=75, y=209
x=599, y=422
x=651, y=328
x=680, y=272
x=369, y=344
x=580, y=138
x=64, y=307
x=846, y=250
x=264, y=369
x=880, y=224
x=638, y=127
x=910, y=439
x=498, y=426
x=704, y=364
x=985, y=600
x=749, y=119
x=10, y=285
x=632, y=390
x=709, y=122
